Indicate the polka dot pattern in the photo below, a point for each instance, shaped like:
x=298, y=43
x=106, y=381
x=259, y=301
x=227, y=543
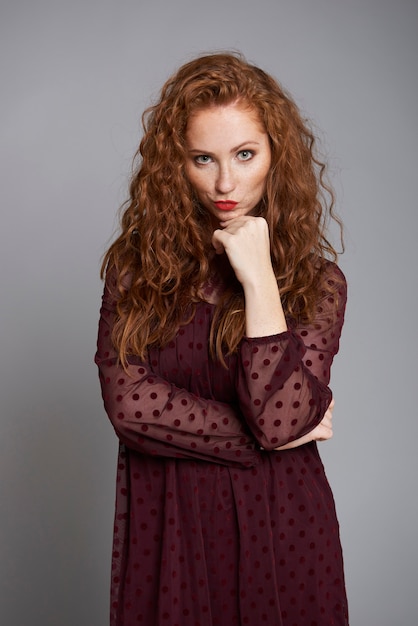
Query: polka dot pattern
x=210, y=529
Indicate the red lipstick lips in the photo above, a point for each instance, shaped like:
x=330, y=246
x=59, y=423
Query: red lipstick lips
x=226, y=205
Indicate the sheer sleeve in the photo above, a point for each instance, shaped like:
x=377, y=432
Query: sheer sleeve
x=282, y=380
x=154, y=417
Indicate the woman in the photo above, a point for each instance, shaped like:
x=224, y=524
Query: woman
x=222, y=313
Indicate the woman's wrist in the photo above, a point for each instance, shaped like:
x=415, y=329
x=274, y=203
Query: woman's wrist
x=263, y=308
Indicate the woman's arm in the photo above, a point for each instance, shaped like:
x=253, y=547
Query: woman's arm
x=152, y=416
x=282, y=376
x=322, y=432
x=246, y=243
x=283, y=380
x=322, y=345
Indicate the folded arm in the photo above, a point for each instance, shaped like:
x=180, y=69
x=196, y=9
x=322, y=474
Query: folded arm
x=153, y=416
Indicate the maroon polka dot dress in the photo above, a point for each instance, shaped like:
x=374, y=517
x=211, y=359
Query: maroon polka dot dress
x=213, y=527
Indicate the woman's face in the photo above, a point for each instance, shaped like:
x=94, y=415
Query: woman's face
x=228, y=159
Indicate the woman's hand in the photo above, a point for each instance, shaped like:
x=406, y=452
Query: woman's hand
x=246, y=242
x=322, y=432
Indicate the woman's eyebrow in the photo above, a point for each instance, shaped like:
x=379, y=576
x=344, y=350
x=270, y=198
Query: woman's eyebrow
x=241, y=145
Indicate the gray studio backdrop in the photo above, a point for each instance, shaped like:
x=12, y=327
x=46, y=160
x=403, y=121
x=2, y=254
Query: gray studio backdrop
x=75, y=77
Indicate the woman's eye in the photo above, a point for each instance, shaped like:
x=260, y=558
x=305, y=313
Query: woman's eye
x=202, y=159
x=245, y=155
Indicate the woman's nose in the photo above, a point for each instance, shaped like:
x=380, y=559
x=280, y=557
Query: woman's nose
x=225, y=181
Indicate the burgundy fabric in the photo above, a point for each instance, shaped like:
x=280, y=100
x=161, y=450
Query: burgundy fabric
x=214, y=527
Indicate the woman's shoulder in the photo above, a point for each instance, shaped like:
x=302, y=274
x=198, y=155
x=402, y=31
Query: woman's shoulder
x=332, y=288
x=114, y=275
x=332, y=275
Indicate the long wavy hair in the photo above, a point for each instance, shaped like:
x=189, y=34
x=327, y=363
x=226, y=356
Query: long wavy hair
x=161, y=259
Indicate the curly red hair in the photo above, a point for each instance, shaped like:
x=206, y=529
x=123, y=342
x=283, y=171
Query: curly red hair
x=160, y=259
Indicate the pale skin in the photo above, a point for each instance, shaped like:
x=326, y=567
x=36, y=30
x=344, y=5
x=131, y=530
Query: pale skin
x=228, y=160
